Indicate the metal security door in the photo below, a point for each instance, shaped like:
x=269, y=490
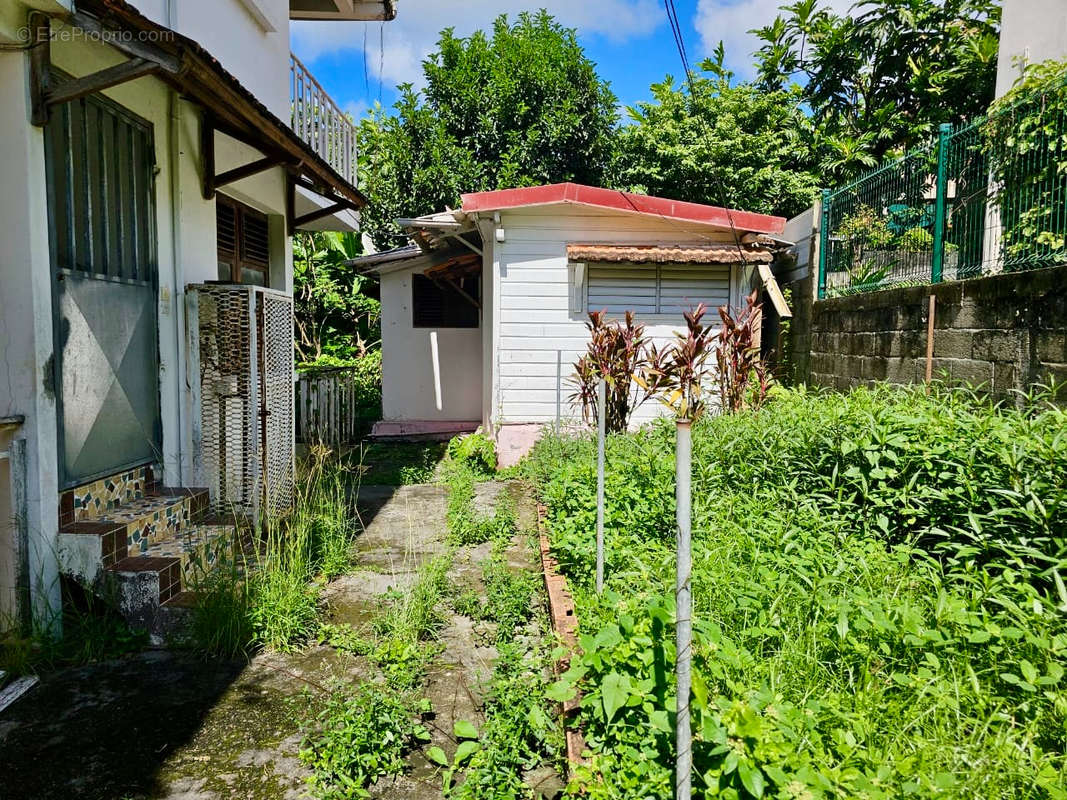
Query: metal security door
x=100, y=165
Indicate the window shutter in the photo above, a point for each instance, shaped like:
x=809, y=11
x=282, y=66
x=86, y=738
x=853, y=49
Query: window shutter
x=226, y=225
x=255, y=244
x=618, y=289
x=648, y=289
x=681, y=288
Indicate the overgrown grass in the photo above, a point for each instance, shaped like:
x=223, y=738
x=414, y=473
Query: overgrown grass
x=397, y=463
x=466, y=525
x=878, y=603
x=92, y=631
x=268, y=595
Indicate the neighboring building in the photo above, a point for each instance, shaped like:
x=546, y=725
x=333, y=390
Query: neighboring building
x=155, y=151
x=1031, y=31
x=483, y=319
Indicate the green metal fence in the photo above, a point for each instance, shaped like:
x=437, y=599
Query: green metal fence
x=986, y=197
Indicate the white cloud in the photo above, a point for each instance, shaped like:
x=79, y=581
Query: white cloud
x=413, y=34
x=730, y=21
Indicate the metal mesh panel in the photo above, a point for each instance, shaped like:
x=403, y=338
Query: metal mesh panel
x=245, y=339
x=987, y=197
x=276, y=358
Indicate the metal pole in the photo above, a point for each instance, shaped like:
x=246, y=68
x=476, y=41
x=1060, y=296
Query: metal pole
x=824, y=241
x=601, y=402
x=559, y=379
x=938, y=256
x=683, y=592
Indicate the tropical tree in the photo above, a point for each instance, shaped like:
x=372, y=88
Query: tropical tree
x=521, y=107
x=337, y=315
x=714, y=142
x=882, y=78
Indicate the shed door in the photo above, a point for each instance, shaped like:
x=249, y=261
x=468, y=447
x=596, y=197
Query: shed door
x=101, y=212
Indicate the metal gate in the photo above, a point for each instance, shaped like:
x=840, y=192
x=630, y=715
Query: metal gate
x=100, y=162
x=243, y=342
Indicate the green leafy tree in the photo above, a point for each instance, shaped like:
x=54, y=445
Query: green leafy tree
x=883, y=80
x=521, y=107
x=337, y=317
x=714, y=142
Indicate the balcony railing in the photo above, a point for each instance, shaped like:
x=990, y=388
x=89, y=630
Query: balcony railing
x=319, y=121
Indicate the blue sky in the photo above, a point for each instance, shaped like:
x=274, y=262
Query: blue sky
x=629, y=40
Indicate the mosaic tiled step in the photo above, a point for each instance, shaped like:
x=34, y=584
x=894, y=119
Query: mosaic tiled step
x=142, y=584
x=158, y=516
x=91, y=544
x=200, y=548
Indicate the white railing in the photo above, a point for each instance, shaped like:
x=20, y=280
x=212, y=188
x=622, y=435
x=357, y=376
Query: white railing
x=319, y=121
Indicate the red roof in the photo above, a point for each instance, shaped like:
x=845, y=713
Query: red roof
x=622, y=201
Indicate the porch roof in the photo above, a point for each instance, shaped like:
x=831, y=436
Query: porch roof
x=234, y=110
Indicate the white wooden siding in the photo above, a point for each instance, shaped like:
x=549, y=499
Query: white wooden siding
x=538, y=316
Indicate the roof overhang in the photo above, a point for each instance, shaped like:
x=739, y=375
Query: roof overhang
x=623, y=202
x=359, y=10
x=184, y=65
x=668, y=254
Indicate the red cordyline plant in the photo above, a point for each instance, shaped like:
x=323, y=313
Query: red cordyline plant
x=744, y=379
x=676, y=374
x=617, y=352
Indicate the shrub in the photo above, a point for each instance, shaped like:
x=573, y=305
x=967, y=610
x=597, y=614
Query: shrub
x=359, y=736
x=475, y=450
x=617, y=352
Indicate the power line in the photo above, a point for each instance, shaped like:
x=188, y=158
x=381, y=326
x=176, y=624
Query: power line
x=679, y=40
x=366, y=68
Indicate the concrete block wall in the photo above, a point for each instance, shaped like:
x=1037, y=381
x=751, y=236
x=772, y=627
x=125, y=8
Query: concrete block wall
x=1005, y=333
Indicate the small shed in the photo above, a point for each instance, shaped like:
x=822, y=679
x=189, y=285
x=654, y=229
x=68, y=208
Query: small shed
x=483, y=314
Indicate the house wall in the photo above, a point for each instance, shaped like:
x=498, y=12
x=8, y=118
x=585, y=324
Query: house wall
x=1031, y=31
x=185, y=230
x=1004, y=332
x=408, y=385
x=537, y=316
x=26, y=327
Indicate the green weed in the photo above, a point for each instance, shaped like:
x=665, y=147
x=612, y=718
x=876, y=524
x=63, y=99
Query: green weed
x=876, y=594
x=359, y=735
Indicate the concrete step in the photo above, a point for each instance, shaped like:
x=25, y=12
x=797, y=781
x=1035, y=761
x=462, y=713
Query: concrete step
x=140, y=584
x=99, y=539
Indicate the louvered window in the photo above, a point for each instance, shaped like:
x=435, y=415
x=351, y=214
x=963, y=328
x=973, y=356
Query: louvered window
x=656, y=288
x=440, y=305
x=243, y=243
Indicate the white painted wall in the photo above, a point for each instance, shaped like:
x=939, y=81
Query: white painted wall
x=537, y=313
x=26, y=324
x=1031, y=31
x=232, y=31
x=408, y=375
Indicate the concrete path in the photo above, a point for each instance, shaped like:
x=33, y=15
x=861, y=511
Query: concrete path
x=169, y=726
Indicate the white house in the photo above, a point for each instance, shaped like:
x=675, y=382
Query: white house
x=484, y=316
x=158, y=156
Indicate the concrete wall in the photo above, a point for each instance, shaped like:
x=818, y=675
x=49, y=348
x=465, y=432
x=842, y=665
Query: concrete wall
x=408, y=370
x=536, y=311
x=1005, y=332
x=1031, y=31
